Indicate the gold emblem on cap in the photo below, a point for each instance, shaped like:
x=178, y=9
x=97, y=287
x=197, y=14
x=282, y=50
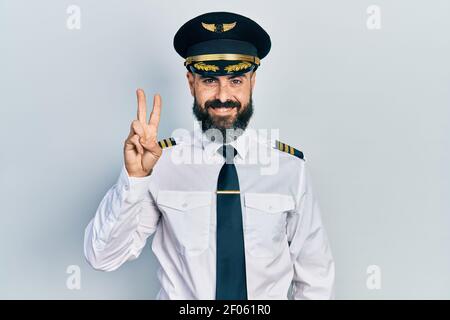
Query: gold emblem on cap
x=218, y=27
x=237, y=67
x=206, y=67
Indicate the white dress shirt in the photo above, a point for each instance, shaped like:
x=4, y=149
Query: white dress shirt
x=285, y=240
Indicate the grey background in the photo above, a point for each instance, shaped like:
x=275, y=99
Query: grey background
x=370, y=109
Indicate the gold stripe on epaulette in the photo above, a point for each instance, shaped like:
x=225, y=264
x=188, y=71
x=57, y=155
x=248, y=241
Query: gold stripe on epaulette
x=288, y=149
x=166, y=143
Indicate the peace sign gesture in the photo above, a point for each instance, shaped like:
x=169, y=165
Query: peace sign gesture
x=141, y=149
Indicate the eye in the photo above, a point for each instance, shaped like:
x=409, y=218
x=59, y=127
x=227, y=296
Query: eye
x=208, y=80
x=236, y=81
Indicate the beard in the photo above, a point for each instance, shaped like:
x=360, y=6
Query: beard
x=229, y=126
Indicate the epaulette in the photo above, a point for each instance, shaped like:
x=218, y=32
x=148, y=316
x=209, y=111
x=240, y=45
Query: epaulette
x=287, y=148
x=165, y=143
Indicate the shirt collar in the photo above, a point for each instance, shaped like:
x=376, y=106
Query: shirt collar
x=241, y=143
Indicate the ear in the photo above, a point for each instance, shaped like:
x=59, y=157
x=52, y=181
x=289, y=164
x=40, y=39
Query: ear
x=253, y=79
x=191, y=78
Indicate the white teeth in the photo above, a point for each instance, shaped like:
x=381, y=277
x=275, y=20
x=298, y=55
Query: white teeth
x=223, y=110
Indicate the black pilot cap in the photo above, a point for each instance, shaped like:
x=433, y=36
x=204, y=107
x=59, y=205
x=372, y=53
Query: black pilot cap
x=221, y=43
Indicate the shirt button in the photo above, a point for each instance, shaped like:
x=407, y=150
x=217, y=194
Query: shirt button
x=184, y=205
x=270, y=207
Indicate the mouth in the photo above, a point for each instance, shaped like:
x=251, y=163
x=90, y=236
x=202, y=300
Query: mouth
x=223, y=110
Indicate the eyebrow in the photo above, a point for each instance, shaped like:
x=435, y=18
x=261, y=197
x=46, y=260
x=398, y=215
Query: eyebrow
x=215, y=78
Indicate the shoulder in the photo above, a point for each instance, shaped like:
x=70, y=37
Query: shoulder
x=285, y=148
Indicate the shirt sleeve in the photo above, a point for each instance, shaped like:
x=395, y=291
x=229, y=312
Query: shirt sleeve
x=125, y=218
x=314, y=269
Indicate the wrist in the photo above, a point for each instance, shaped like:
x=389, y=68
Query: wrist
x=141, y=176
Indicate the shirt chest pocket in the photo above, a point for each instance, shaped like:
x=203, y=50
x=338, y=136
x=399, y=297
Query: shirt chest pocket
x=187, y=216
x=265, y=222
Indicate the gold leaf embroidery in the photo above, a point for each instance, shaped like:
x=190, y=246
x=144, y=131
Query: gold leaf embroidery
x=237, y=67
x=206, y=67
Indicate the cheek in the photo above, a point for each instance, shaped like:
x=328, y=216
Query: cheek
x=202, y=95
x=243, y=97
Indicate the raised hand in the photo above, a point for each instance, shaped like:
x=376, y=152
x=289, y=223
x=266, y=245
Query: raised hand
x=141, y=149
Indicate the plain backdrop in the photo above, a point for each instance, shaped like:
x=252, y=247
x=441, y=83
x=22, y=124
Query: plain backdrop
x=369, y=108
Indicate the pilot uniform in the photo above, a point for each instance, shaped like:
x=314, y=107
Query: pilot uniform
x=262, y=238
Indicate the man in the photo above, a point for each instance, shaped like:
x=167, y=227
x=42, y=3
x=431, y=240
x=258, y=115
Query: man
x=222, y=228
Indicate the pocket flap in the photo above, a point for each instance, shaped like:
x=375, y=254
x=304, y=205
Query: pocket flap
x=269, y=202
x=181, y=200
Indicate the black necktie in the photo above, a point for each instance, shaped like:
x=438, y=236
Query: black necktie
x=231, y=281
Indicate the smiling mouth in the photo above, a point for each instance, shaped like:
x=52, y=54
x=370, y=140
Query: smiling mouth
x=222, y=110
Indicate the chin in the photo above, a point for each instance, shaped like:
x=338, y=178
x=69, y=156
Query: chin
x=223, y=119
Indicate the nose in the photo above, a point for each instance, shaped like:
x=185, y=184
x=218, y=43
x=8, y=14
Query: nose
x=223, y=93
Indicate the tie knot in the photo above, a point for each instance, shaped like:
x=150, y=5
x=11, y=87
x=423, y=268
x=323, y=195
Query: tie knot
x=228, y=152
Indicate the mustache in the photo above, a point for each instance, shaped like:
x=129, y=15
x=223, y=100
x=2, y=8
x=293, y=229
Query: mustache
x=219, y=104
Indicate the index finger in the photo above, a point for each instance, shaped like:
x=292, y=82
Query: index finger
x=142, y=107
